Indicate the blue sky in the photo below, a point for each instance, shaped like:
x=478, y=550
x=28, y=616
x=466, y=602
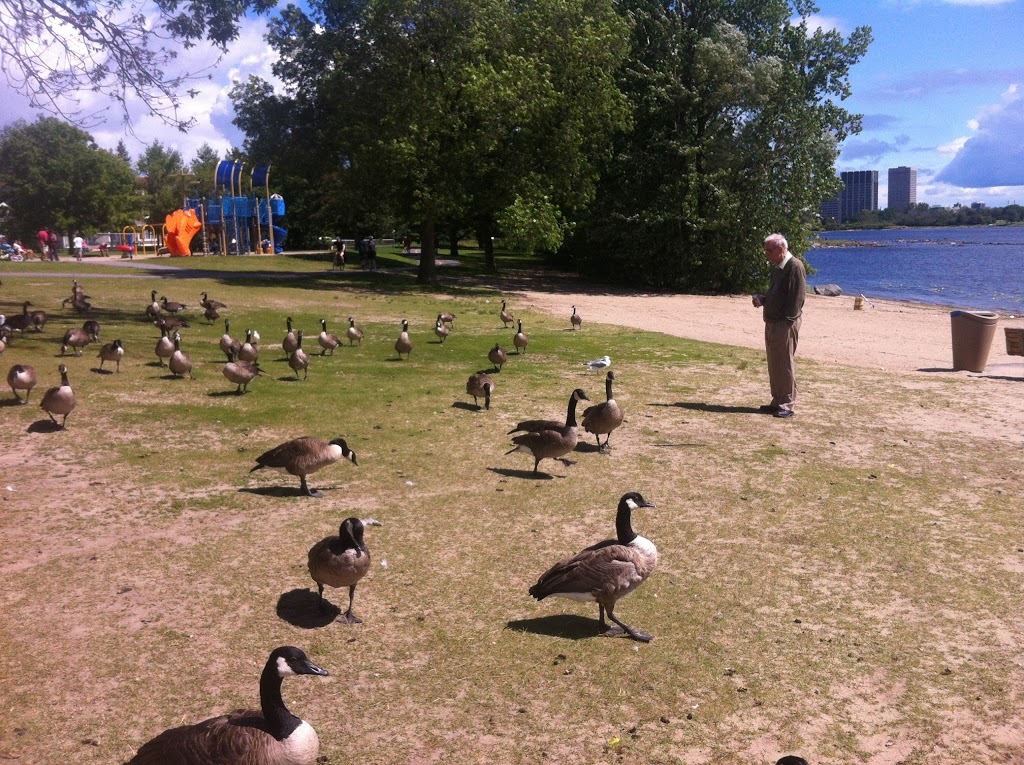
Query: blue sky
x=941, y=89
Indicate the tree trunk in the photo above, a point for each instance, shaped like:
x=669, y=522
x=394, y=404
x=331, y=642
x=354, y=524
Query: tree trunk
x=453, y=238
x=486, y=241
x=427, y=273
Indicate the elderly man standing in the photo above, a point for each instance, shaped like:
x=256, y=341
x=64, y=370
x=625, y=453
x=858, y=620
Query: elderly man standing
x=783, y=305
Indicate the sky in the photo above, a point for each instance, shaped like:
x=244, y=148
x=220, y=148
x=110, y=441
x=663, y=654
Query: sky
x=941, y=89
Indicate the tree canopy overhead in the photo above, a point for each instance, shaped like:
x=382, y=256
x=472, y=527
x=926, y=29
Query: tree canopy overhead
x=53, y=50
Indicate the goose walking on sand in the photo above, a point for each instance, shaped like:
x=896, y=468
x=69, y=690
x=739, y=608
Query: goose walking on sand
x=270, y=735
x=549, y=439
x=304, y=456
x=342, y=561
x=59, y=400
x=607, y=571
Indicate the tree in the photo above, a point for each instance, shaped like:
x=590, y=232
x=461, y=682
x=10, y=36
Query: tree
x=735, y=137
x=448, y=113
x=164, y=180
x=52, y=50
x=55, y=175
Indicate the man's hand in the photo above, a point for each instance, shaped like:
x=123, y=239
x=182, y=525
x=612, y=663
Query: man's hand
x=757, y=300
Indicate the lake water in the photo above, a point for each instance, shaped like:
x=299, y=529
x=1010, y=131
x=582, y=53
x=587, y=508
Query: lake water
x=979, y=268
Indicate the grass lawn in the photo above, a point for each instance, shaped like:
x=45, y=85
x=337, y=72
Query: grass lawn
x=829, y=587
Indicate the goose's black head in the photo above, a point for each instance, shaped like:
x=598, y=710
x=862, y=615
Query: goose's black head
x=351, y=533
x=345, y=451
x=289, y=660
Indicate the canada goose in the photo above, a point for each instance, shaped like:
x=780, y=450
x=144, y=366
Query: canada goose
x=164, y=347
x=607, y=571
x=247, y=351
x=270, y=735
x=447, y=317
x=478, y=385
x=299, y=359
x=441, y=329
x=211, y=315
x=170, y=323
x=38, y=320
x=19, y=322
x=21, y=377
x=328, y=341
x=112, y=352
x=520, y=340
x=228, y=345
x=506, y=317
x=575, y=319
x=255, y=338
x=170, y=306
x=59, y=399
x=241, y=373
x=79, y=303
x=289, y=343
x=791, y=759
x=403, y=344
x=605, y=417
x=354, y=334
x=549, y=439
x=205, y=302
x=93, y=328
x=304, y=456
x=3, y=342
x=153, y=309
x=341, y=561
x=74, y=338
x=497, y=356
x=179, y=363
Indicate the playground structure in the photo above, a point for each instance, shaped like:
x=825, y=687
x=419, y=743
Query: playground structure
x=231, y=223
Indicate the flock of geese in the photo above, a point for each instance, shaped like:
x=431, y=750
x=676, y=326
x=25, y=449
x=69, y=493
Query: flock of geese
x=602, y=573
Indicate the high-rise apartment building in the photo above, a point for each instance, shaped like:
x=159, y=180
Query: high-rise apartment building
x=860, y=192
x=902, y=188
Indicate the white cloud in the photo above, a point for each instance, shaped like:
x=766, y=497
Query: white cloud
x=994, y=155
x=953, y=146
x=825, y=23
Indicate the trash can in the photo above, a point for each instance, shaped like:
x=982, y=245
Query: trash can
x=972, y=338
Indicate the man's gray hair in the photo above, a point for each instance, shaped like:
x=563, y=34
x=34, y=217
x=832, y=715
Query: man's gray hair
x=777, y=241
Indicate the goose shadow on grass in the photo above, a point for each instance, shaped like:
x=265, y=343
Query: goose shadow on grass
x=45, y=426
x=97, y=370
x=300, y=608
x=277, y=491
x=569, y=626
x=12, y=402
x=702, y=406
x=467, y=406
x=222, y=393
x=528, y=474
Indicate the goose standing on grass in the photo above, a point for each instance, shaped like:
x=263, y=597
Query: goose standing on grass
x=304, y=456
x=342, y=561
x=270, y=735
x=75, y=338
x=289, y=343
x=153, y=309
x=205, y=302
x=299, y=359
x=241, y=373
x=59, y=399
x=179, y=363
x=575, y=319
x=211, y=315
x=93, y=328
x=247, y=351
x=21, y=377
x=447, y=317
x=607, y=571
x=506, y=316
x=520, y=340
x=497, y=356
x=170, y=324
x=480, y=385
x=403, y=344
x=112, y=352
x=549, y=439
x=327, y=340
x=38, y=319
x=20, y=322
x=164, y=347
x=602, y=419
x=441, y=329
x=354, y=334
x=228, y=345
x=170, y=306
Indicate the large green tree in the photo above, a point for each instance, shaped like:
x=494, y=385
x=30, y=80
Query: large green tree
x=165, y=181
x=448, y=113
x=54, y=175
x=735, y=136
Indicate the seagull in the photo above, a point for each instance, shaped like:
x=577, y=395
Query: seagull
x=602, y=363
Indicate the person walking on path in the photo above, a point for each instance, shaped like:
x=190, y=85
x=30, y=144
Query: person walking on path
x=77, y=245
x=51, y=243
x=782, y=306
x=339, y=253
